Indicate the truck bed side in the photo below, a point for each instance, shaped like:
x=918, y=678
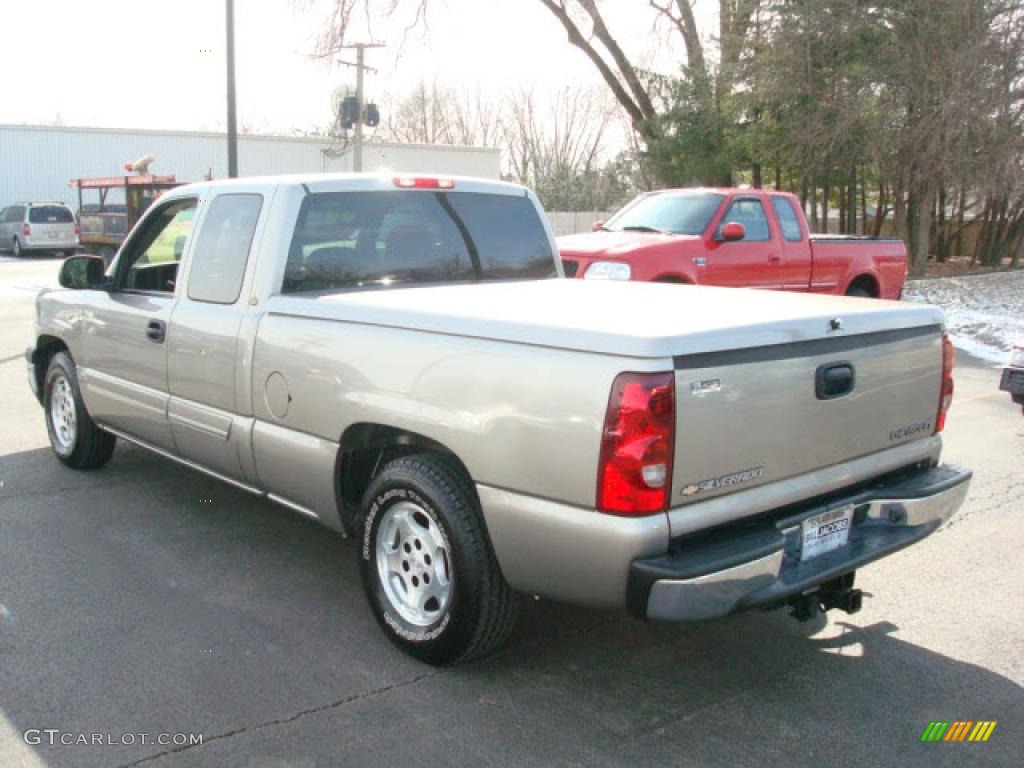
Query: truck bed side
x=839, y=261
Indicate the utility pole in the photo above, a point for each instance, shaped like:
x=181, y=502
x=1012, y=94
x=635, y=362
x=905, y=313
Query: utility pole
x=360, y=65
x=232, y=118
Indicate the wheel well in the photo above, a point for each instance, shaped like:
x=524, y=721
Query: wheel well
x=867, y=282
x=46, y=348
x=675, y=279
x=363, y=450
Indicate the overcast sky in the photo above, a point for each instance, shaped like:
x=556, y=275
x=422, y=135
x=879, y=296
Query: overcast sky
x=161, y=64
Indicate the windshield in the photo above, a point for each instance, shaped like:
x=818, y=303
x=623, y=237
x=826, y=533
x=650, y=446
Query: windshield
x=365, y=239
x=681, y=213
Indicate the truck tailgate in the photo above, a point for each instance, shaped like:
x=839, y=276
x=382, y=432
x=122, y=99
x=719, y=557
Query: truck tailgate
x=752, y=416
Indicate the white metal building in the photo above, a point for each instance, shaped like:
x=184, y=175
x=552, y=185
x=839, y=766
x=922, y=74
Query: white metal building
x=36, y=161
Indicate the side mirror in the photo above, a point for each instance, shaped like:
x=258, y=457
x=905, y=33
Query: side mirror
x=733, y=231
x=80, y=272
x=597, y=225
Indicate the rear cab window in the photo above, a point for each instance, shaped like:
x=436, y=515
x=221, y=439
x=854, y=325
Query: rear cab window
x=369, y=239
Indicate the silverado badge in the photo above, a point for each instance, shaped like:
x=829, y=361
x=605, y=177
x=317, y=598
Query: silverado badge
x=714, y=483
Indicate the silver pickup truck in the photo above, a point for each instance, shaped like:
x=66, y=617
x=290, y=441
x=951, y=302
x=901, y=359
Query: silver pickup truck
x=399, y=359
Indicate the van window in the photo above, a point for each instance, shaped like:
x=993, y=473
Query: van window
x=400, y=237
x=222, y=248
x=50, y=214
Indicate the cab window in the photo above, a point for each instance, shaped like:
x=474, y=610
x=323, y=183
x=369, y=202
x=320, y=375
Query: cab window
x=788, y=220
x=152, y=257
x=750, y=213
x=222, y=248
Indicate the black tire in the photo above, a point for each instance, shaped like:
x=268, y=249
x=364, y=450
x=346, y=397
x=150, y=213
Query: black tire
x=860, y=292
x=89, y=447
x=481, y=608
x=16, y=249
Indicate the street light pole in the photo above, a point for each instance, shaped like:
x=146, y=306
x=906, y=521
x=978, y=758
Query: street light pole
x=232, y=118
x=357, y=156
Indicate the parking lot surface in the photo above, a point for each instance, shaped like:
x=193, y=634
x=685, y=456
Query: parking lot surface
x=148, y=599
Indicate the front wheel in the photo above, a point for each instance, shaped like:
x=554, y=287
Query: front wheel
x=427, y=565
x=74, y=436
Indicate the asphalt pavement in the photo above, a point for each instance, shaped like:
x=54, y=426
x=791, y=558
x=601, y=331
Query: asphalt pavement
x=147, y=599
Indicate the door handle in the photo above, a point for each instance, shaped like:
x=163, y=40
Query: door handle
x=156, y=330
x=774, y=258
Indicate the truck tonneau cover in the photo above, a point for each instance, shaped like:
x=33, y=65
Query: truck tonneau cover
x=642, y=320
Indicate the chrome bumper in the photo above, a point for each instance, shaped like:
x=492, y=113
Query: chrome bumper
x=748, y=566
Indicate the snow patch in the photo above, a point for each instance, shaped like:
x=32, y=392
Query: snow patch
x=984, y=313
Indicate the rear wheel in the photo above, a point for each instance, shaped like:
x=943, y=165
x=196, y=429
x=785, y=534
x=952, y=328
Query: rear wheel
x=16, y=248
x=74, y=436
x=428, y=570
x=861, y=290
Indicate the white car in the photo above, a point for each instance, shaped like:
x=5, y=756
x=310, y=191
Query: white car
x=43, y=226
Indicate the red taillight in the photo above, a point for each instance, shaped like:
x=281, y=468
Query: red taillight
x=946, y=393
x=634, y=475
x=76, y=228
x=26, y=230
x=423, y=182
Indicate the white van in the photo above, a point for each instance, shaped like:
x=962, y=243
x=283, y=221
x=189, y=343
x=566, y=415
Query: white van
x=44, y=226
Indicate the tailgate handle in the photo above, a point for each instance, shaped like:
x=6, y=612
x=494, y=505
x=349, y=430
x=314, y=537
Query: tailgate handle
x=833, y=380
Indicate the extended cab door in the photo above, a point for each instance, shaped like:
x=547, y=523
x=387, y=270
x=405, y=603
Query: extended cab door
x=752, y=262
x=124, y=379
x=210, y=422
x=795, y=267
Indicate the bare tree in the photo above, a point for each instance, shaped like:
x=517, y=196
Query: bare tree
x=434, y=114
x=587, y=29
x=564, y=136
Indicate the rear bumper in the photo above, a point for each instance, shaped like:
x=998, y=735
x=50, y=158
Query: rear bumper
x=757, y=564
x=35, y=244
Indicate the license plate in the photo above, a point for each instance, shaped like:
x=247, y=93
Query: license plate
x=825, y=532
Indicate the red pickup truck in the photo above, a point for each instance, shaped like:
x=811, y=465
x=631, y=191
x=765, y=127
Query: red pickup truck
x=748, y=238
